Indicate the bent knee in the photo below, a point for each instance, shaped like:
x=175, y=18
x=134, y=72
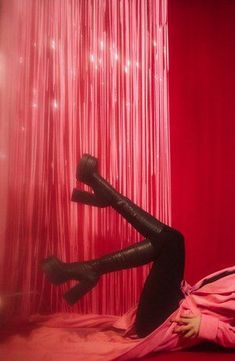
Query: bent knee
x=173, y=237
x=171, y=240
x=178, y=236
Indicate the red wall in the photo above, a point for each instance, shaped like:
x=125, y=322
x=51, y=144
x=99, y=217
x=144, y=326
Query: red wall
x=202, y=113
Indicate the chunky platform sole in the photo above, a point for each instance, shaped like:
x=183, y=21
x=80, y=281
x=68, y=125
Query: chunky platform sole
x=53, y=269
x=78, y=291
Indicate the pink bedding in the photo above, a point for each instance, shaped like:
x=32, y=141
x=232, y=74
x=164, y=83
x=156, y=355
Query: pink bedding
x=74, y=337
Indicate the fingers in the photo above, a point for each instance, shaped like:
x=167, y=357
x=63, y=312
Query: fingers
x=185, y=331
x=190, y=334
x=187, y=326
x=185, y=316
x=181, y=320
x=182, y=329
x=176, y=320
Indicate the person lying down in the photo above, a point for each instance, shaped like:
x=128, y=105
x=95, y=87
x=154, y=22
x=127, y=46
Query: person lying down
x=169, y=310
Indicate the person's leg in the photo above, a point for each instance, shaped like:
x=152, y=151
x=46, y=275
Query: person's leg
x=161, y=293
x=89, y=272
x=87, y=172
x=147, y=225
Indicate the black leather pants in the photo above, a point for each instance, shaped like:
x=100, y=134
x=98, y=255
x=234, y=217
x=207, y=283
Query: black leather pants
x=161, y=293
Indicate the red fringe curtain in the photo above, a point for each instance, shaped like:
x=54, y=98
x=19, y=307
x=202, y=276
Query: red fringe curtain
x=79, y=77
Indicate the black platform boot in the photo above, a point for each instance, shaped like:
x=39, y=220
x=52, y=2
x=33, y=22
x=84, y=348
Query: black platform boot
x=89, y=272
x=87, y=172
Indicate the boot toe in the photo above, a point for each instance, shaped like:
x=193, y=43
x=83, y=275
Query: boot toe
x=87, y=166
x=53, y=269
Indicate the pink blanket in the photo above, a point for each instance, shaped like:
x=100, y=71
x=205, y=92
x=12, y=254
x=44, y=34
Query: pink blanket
x=74, y=337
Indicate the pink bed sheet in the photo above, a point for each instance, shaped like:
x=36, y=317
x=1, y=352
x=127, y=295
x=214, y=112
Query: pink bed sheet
x=74, y=337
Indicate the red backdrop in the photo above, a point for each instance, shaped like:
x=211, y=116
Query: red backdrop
x=202, y=88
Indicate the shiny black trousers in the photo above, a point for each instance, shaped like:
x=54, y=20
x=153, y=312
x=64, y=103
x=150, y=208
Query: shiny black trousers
x=161, y=293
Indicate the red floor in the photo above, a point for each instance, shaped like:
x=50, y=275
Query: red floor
x=191, y=356
x=204, y=353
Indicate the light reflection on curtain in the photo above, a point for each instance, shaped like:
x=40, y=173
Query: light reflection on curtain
x=79, y=76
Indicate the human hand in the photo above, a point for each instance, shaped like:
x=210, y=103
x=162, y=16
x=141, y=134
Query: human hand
x=187, y=325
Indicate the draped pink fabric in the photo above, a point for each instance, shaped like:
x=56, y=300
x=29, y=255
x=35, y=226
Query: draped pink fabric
x=79, y=77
